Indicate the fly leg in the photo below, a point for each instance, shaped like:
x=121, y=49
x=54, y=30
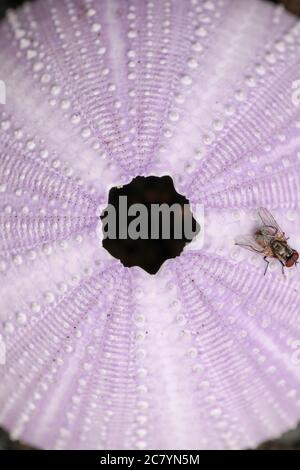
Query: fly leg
x=282, y=267
x=268, y=262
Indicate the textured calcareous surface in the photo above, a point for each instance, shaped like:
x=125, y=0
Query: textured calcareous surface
x=204, y=354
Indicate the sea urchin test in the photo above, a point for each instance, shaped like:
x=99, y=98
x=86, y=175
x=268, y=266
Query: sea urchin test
x=96, y=352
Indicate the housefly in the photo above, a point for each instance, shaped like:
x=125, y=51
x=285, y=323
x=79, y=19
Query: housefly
x=270, y=242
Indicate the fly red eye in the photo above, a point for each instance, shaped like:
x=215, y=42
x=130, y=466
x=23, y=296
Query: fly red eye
x=292, y=260
x=289, y=263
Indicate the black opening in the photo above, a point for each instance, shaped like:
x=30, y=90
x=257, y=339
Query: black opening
x=149, y=253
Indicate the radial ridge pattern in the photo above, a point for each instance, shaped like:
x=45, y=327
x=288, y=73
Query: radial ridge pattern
x=98, y=356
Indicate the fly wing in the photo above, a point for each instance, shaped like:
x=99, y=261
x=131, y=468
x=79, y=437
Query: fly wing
x=248, y=242
x=271, y=227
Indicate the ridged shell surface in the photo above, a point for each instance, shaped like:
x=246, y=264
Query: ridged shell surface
x=205, y=354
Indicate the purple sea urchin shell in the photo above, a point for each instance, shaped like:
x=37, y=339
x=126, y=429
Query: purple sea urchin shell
x=205, y=353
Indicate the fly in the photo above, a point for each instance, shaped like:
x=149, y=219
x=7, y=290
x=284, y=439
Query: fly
x=270, y=242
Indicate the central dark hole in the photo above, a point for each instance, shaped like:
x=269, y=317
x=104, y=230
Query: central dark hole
x=150, y=253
